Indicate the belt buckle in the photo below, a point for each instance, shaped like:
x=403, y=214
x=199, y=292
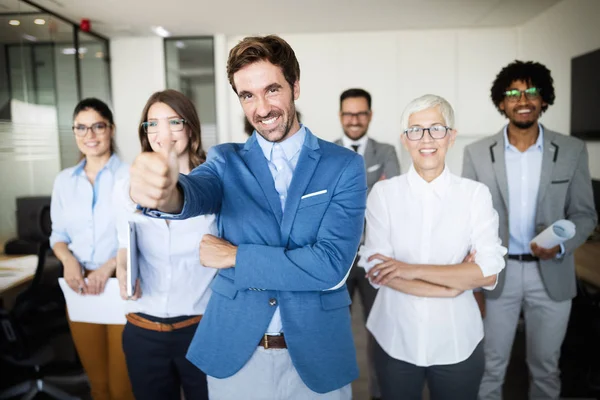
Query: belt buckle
x=521, y=258
x=266, y=337
x=165, y=327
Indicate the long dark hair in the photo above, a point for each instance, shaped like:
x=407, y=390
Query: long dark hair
x=101, y=108
x=186, y=110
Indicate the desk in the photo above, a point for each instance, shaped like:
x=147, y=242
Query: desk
x=587, y=262
x=15, y=271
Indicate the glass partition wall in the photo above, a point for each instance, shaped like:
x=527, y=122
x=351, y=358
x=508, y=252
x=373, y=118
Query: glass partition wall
x=46, y=66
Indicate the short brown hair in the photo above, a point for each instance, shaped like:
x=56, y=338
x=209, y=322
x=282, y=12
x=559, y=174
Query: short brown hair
x=186, y=110
x=270, y=48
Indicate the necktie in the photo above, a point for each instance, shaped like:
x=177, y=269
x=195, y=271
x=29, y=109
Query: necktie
x=283, y=174
x=355, y=147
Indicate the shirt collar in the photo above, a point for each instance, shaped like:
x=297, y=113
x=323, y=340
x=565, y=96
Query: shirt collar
x=347, y=142
x=291, y=146
x=112, y=165
x=539, y=143
x=439, y=185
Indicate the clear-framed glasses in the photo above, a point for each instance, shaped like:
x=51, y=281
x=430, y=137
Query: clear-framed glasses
x=514, y=95
x=435, y=131
x=175, y=125
x=99, y=128
x=359, y=115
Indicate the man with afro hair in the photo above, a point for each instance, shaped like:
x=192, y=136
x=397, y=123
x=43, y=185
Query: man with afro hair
x=536, y=177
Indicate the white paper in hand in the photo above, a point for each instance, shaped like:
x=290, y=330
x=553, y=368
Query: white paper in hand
x=132, y=259
x=104, y=308
x=557, y=233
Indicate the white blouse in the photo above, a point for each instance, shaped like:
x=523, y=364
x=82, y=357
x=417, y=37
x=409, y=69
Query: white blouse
x=436, y=223
x=173, y=281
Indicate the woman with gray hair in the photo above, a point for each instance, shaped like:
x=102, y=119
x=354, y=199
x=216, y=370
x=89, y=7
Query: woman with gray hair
x=431, y=238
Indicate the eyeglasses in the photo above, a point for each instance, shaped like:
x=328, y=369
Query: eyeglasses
x=175, y=125
x=98, y=128
x=359, y=115
x=515, y=94
x=435, y=131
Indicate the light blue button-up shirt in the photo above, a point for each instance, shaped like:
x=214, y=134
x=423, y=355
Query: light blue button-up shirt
x=523, y=171
x=291, y=148
x=83, y=215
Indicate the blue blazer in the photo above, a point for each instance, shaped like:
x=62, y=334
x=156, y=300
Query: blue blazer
x=286, y=258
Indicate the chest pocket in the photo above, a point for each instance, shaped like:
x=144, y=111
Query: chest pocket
x=308, y=218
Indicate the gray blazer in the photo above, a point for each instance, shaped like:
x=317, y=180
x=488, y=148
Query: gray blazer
x=565, y=192
x=381, y=161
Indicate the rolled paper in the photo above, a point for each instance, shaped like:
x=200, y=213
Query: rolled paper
x=557, y=233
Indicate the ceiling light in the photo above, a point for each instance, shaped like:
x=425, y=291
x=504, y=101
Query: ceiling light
x=160, y=31
x=39, y=21
x=69, y=51
x=14, y=22
x=29, y=37
x=179, y=44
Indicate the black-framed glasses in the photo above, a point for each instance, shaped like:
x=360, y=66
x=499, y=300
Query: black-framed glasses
x=513, y=95
x=435, y=131
x=175, y=125
x=99, y=128
x=359, y=115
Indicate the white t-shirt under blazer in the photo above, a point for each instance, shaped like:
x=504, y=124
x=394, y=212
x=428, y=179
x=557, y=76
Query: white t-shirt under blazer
x=439, y=223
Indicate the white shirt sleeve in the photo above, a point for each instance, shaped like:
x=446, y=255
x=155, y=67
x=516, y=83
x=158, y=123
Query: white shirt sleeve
x=124, y=209
x=485, y=241
x=377, y=237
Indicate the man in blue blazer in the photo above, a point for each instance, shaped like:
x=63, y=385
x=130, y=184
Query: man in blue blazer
x=291, y=210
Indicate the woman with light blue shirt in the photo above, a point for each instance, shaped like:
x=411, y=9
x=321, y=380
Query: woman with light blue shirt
x=84, y=238
x=173, y=287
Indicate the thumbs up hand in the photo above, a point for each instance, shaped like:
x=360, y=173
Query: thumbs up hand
x=153, y=180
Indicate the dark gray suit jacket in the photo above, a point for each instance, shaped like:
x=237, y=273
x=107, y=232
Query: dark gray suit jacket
x=381, y=161
x=565, y=192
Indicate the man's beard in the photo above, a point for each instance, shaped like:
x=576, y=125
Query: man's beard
x=524, y=125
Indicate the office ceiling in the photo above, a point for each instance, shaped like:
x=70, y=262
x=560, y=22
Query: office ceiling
x=117, y=18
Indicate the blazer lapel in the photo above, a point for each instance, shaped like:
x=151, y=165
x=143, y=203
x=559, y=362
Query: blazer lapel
x=257, y=163
x=369, y=155
x=307, y=163
x=550, y=152
x=497, y=150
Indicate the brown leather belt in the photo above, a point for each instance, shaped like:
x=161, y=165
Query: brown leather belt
x=159, y=326
x=273, y=342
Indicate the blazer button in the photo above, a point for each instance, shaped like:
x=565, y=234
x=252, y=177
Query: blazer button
x=272, y=302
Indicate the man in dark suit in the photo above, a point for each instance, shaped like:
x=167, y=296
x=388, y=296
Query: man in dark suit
x=536, y=177
x=381, y=162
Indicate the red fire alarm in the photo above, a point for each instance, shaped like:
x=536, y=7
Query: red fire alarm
x=85, y=25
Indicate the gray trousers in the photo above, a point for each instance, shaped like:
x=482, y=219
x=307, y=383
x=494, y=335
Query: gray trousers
x=546, y=323
x=269, y=375
x=400, y=380
x=357, y=282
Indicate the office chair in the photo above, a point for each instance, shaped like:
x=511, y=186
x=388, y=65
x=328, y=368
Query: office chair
x=38, y=315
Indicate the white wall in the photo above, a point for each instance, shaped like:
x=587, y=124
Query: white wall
x=137, y=70
x=396, y=67
x=567, y=30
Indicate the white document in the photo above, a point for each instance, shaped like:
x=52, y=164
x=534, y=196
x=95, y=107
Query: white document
x=557, y=233
x=132, y=259
x=105, y=308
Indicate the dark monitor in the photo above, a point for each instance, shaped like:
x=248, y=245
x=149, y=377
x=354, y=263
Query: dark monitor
x=585, y=96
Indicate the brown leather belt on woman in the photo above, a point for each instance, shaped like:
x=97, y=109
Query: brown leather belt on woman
x=159, y=326
x=273, y=342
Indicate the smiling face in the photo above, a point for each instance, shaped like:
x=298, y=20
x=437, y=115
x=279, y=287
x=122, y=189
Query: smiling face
x=428, y=154
x=268, y=100
x=93, y=144
x=523, y=112
x=355, y=117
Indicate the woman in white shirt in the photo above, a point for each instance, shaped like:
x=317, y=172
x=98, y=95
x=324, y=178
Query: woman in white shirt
x=431, y=237
x=172, y=290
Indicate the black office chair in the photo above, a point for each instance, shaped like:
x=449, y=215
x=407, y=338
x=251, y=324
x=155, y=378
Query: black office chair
x=37, y=316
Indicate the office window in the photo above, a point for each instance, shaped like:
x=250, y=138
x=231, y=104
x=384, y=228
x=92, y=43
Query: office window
x=190, y=69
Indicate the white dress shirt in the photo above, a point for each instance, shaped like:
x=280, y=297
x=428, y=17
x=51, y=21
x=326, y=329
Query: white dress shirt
x=436, y=223
x=361, y=143
x=173, y=281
